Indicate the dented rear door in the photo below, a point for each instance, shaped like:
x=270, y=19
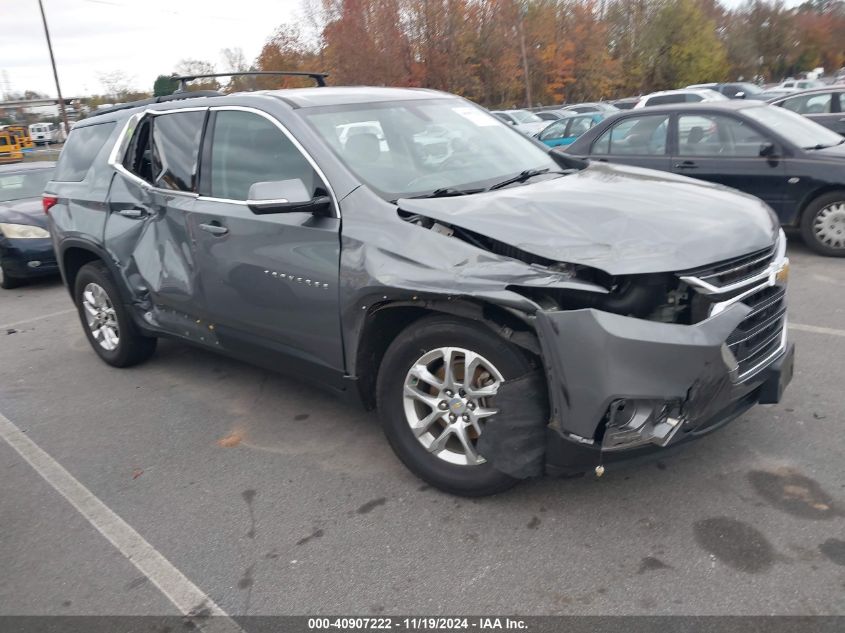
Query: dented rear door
x=151, y=198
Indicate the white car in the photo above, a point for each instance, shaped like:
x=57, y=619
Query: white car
x=796, y=85
x=679, y=96
x=526, y=122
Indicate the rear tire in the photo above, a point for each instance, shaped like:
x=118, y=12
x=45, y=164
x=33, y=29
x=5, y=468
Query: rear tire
x=422, y=345
x=823, y=224
x=106, y=321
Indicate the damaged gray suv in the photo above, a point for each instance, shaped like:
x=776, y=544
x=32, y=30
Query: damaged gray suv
x=508, y=310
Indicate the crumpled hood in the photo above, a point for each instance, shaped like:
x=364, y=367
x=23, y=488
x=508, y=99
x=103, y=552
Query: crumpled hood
x=26, y=211
x=620, y=219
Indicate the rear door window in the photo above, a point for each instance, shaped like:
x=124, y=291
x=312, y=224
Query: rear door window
x=165, y=150
x=82, y=146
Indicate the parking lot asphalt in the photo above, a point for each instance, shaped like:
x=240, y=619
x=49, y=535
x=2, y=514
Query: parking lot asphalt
x=274, y=498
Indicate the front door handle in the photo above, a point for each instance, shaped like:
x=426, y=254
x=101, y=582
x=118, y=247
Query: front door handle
x=134, y=213
x=215, y=228
x=687, y=164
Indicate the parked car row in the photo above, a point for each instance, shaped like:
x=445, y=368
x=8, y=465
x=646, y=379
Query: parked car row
x=793, y=164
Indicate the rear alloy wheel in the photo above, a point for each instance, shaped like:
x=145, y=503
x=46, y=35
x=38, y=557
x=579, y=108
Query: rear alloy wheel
x=437, y=388
x=106, y=321
x=823, y=224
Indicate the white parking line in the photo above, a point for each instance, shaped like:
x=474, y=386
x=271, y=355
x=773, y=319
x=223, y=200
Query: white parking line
x=816, y=329
x=38, y=318
x=184, y=594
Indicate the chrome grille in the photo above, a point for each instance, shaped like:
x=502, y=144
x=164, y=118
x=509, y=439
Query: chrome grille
x=760, y=334
x=753, y=280
x=735, y=272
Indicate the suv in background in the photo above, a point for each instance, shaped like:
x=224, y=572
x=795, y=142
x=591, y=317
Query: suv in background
x=509, y=310
x=665, y=97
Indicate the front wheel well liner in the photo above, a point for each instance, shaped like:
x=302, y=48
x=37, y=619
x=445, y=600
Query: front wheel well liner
x=385, y=321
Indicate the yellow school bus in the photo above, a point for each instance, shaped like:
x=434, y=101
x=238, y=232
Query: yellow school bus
x=10, y=150
x=22, y=134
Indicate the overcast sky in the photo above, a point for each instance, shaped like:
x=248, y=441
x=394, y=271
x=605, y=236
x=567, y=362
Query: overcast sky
x=143, y=38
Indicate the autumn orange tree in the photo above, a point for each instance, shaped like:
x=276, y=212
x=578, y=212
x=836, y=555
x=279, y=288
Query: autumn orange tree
x=505, y=53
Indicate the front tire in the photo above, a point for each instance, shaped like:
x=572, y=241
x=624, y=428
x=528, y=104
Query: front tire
x=823, y=224
x=436, y=388
x=106, y=321
x=7, y=282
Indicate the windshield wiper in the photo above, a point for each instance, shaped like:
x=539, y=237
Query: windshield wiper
x=521, y=177
x=448, y=192
x=823, y=146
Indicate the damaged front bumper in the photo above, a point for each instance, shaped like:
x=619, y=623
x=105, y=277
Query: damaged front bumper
x=621, y=387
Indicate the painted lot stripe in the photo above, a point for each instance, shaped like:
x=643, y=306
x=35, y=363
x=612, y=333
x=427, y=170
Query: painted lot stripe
x=184, y=594
x=816, y=329
x=38, y=318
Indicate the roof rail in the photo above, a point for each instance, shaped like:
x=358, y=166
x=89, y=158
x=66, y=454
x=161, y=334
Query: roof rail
x=174, y=97
x=319, y=78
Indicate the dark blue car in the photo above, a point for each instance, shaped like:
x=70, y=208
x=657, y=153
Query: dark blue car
x=25, y=247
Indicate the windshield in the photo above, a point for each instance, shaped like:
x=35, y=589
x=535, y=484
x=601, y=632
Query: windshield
x=524, y=116
x=425, y=145
x=793, y=127
x=18, y=185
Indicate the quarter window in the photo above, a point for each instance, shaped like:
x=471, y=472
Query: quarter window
x=247, y=148
x=635, y=136
x=83, y=145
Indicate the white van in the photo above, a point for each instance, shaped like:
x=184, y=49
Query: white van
x=45, y=133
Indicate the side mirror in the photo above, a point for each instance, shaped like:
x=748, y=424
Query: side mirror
x=285, y=196
x=739, y=95
x=768, y=150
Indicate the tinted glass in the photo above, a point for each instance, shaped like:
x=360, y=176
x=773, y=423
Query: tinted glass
x=637, y=136
x=247, y=148
x=664, y=99
x=175, y=152
x=810, y=104
x=717, y=135
x=82, y=146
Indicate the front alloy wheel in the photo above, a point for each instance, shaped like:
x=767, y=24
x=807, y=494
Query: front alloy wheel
x=447, y=399
x=436, y=391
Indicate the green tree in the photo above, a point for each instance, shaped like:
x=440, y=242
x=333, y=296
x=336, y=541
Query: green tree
x=681, y=46
x=164, y=85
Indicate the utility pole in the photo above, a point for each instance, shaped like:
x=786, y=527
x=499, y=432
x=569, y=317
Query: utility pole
x=55, y=72
x=520, y=26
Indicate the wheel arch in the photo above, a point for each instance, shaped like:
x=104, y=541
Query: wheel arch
x=76, y=253
x=385, y=321
x=813, y=196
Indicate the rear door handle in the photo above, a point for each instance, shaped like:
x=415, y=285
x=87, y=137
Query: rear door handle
x=215, y=228
x=134, y=213
x=687, y=164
